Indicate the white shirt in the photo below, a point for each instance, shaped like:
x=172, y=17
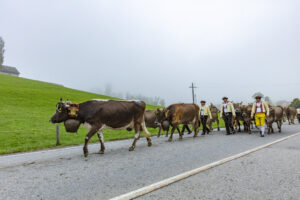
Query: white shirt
x=202, y=112
x=225, y=107
x=258, y=108
x=298, y=110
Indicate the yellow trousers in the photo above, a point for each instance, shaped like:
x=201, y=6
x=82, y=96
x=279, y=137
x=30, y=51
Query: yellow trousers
x=260, y=119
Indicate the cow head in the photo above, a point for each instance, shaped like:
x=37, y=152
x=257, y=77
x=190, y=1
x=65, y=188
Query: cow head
x=160, y=116
x=246, y=112
x=270, y=119
x=61, y=113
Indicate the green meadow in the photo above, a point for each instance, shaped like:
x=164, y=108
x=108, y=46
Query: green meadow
x=26, y=107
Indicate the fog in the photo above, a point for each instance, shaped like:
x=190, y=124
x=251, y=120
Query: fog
x=158, y=48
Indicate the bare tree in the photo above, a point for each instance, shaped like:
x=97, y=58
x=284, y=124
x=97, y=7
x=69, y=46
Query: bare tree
x=1, y=51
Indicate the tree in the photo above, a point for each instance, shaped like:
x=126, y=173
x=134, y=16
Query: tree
x=257, y=94
x=1, y=51
x=108, y=89
x=162, y=102
x=268, y=99
x=295, y=103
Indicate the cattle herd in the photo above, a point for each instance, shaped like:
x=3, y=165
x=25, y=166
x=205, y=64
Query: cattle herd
x=96, y=115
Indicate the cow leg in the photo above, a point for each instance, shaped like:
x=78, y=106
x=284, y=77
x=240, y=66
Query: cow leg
x=210, y=125
x=101, y=139
x=171, y=135
x=239, y=125
x=249, y=128
x=196, y=130
x=272, y=128
x=279, y=126
x=158, y=135
x=218, y=123
x=188, y=129
x=137, y=129
x=179, y=132
x=167, y=133
x=182, y=131
x=87, y=138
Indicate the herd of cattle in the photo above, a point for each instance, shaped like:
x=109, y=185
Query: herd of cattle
x=96, y=115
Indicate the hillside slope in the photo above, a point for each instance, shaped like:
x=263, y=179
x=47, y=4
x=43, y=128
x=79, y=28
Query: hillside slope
x=25, y=109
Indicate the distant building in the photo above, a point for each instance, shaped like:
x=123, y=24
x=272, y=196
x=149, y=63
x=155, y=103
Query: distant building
x=9, y=70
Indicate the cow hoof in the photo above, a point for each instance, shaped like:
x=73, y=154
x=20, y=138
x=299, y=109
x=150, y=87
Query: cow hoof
x=85, y=152
x=101, y=152
x=166, y=135
x=158, y=135
x=169, y=140
x=180, y=138
x=131, y=148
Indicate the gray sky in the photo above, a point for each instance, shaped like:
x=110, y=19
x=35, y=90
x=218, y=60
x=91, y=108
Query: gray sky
x=157, y=48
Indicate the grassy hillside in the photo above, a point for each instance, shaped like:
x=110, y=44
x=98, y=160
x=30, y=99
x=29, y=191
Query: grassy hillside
x=25, y=109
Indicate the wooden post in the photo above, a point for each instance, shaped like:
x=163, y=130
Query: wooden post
x=57, y=135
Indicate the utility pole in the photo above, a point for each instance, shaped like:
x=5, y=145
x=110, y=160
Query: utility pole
x=193, y=93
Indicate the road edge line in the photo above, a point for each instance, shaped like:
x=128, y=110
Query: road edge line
x=168, y=181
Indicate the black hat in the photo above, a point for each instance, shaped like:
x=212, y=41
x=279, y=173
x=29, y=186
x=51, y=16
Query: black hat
x=258, y=97
x=202, y=101
x=225, y=98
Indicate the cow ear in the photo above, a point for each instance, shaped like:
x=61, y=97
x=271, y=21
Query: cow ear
x=60, y=99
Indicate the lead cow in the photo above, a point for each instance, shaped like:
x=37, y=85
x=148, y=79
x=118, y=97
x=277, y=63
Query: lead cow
x=97, y=115
x=177, y=114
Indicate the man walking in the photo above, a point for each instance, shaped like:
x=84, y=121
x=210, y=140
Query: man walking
x=204, y=114
x=227, y=112
x=260, y=109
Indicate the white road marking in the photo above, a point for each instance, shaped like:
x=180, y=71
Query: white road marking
x=168, y=181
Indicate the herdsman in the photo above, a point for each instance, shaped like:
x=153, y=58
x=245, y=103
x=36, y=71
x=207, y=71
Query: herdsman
x=227, y=112
x=260, y=109
x=204, y=114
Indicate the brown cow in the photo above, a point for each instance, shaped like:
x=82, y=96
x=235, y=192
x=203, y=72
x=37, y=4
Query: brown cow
x=98, y=115
x=276, y=115
x=238, y=116
x=150, y=118
x=215, y=117
x=291, y=113
x=180, y=114
x=246, y=117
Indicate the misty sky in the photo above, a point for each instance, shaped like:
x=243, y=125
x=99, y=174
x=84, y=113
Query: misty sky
x=157, y=48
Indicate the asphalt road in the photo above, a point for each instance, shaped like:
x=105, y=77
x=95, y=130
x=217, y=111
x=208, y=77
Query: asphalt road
x=271, y=173
x=66, y=174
